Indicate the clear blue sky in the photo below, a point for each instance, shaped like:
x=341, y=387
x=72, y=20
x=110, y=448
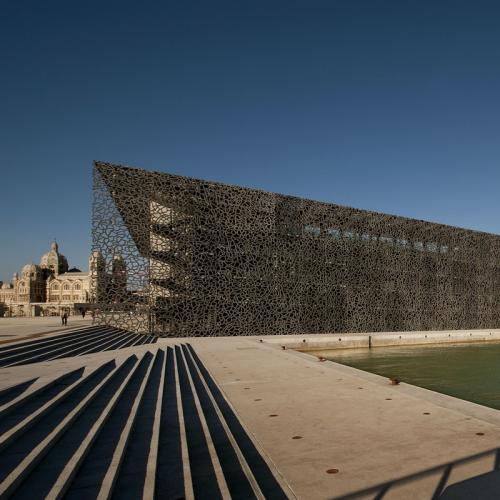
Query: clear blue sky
x=391, y=106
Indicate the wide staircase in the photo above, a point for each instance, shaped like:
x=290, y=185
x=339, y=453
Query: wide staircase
x=74, y=343
x=151, y=425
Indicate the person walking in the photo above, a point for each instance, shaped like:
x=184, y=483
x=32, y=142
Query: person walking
x=65, y=318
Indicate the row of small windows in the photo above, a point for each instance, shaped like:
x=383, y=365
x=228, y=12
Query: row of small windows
x=397, y=242
x=66, y=286
x=54, y=288
x=57, y=298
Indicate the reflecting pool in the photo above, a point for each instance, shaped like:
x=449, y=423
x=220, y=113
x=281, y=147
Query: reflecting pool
x=466, y=371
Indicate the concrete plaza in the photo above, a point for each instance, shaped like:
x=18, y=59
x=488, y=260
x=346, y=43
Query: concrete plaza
x=324, y=429
x=19, y=328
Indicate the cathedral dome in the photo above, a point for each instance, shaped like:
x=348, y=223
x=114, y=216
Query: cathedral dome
x=29, y=269
x=54, y=261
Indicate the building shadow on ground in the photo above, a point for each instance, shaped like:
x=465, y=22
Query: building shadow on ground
x=485, y=485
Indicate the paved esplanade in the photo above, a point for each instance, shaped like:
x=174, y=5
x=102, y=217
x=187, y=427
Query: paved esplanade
x=234, y=416
x=18, y=328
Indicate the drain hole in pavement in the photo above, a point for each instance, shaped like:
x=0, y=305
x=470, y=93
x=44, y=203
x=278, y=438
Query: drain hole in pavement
x=297, y=437
x=360, y=388
x=426, y=413
x=247, y=388
x=332, y=471
x=388, y=399
x=273, y=415
x=479, y=433
x=257, y=399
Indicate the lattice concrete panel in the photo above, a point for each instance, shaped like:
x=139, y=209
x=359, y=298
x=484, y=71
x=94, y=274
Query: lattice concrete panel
x=186, y=257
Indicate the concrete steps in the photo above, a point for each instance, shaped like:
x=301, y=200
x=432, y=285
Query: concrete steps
x=7, y=395
x=75, y=343
x=151, y=425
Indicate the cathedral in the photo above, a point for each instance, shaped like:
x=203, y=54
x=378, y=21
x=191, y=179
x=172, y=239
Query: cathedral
x=52, y=288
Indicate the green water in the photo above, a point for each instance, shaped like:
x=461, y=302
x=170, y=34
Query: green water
x=466, y=371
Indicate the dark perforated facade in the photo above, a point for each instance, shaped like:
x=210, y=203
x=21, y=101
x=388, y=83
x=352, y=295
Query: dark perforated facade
x=203, y=258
